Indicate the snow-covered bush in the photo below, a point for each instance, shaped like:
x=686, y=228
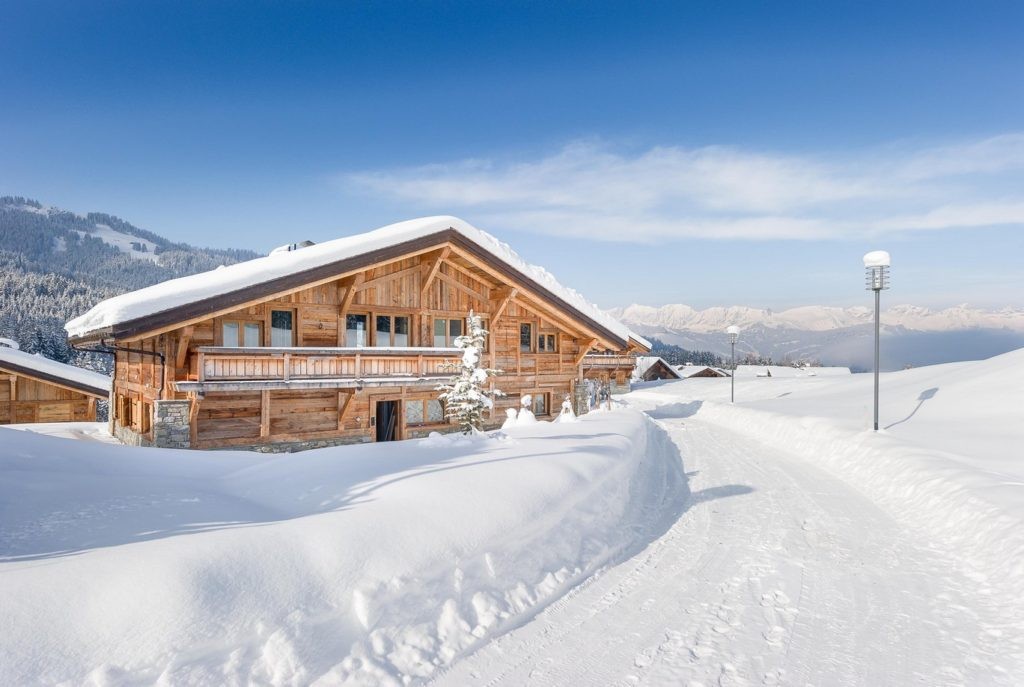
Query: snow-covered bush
x=567, y=414
x=526, y=416
x=465, y=396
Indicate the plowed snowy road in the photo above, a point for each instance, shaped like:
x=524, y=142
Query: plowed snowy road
x=777, y=573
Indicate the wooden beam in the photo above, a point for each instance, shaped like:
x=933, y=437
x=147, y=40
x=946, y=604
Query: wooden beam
x=370, y=283
x=475, y=277
x=346, y=303
x=575, y=326
x=264, y=414
x=456, y=284
x=193, y=420
x=183, y=341
x=344, y=401
x=584, y=349
x=432, y=268
x=498, y=307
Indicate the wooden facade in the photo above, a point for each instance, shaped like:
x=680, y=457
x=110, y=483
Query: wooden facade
x=27, y=396
x=346, y=356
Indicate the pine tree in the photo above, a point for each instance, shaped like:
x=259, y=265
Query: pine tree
x=464, y=396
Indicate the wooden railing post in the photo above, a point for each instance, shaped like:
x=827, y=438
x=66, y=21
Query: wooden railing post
x=202, y=367
x=287, y=366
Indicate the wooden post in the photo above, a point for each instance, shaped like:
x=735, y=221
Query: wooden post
x=264, y=414
x=202, y=366
x=287, y=366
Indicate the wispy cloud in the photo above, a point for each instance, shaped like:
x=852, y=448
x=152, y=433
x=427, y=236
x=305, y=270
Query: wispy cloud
x=592, y=189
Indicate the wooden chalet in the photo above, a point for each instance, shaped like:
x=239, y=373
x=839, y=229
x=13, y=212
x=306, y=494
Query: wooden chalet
x=340, y=342
x=651, y=368
x=37, y=389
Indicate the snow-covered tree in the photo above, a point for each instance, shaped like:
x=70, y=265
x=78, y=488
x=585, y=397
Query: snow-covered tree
x=466, y=397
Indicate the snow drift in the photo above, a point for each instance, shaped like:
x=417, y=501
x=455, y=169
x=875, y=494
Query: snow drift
x=948, y=462
x=358, y=565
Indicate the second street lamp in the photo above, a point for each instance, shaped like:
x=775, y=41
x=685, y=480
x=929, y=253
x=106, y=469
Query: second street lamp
x=734, y=335
x=876, y=264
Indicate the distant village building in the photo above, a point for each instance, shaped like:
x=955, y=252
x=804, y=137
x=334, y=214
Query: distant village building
x=37, y=389
x=342, y=342
x=650, y=368
x=690, y=370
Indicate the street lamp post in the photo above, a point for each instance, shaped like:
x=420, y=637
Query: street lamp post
x=876, y=264
x=734, y=334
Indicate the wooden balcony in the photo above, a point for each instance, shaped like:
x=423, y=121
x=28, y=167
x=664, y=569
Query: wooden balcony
x=598, y=360
x=237, y=369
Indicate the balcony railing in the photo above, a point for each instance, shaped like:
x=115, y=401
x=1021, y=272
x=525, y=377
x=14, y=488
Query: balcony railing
x=217, y=363
x=599, y=360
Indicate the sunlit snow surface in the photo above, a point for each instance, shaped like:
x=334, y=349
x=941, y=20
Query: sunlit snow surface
x=799, y=547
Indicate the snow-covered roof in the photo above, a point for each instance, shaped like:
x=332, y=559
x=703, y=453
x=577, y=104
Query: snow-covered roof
x=28, y=363
x=198, y=287
x=690, y=370
x=646, y=362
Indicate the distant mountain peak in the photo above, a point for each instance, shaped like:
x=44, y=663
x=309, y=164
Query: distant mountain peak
x=819, y=318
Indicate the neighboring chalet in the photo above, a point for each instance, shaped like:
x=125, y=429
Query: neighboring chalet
x=37, y=389
x=650, y=368
x=690, y=370
x=613, y=370
x=340, y=342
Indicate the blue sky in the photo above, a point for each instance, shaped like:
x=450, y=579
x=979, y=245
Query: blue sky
x=704, y=153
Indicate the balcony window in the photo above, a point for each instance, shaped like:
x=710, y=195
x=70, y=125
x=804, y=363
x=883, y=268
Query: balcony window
x=236, y=333
x=392, y=330
x=356, y=330
x=540, y=404
x=282, y=328
x=446, y=331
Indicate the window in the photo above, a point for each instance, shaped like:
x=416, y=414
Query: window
x=282, y=328
x=540, y=404
x=526, y=337
x=237, y=333
x=424, y=412
x=392, y=330
x=446, y=331
x=546, y=343
x=355, y=330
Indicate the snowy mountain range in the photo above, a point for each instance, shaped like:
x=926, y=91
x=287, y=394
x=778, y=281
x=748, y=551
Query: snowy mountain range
x=820, y=318
x=840, y=336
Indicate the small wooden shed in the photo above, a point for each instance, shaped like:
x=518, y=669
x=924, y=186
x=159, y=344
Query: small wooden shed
x=37, y=389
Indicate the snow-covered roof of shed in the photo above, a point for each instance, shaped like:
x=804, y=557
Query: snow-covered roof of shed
x=690, y=370
x=19, y=361
x=186, y=290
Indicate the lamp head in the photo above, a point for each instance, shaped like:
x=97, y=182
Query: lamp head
x=734, y=333
x=877, y=258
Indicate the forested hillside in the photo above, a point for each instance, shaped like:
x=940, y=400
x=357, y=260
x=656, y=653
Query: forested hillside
x=56, y=264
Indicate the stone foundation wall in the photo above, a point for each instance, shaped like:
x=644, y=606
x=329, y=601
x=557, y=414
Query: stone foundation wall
x=170, y=424
x=296, y=446
x=128, y=436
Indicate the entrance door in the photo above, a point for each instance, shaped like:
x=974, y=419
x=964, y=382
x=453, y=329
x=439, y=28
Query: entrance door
x=387, y=420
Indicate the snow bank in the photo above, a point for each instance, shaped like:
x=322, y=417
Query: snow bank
x=358, y=565
x=177, y=292
x=38, y=363
x=949, y=463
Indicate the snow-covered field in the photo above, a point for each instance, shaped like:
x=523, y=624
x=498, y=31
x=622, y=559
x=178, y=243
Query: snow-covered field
x=362, y=564
x=776, y=542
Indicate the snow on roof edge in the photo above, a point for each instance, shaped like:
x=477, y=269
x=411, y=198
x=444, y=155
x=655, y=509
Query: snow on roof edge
x=54, y=368
x=185, y=290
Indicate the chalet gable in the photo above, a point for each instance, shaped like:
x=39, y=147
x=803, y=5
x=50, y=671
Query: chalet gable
x=433, y=255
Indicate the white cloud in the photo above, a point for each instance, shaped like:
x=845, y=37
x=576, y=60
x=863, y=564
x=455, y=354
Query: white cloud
x=589, y=189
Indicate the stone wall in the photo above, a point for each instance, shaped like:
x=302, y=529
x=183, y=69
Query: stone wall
x=171, y=424
x=296, y=446
x=128, y=436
